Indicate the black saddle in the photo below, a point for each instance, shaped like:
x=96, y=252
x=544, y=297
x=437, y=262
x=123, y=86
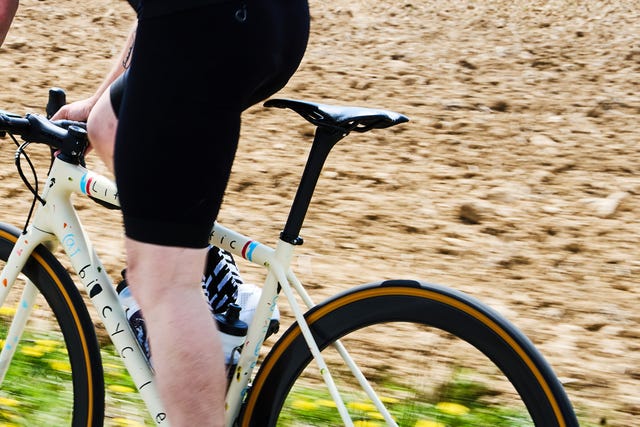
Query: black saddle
x=345, y=119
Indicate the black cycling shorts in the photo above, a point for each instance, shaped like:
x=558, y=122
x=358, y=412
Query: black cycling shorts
x=192, y=74
x=116, y=91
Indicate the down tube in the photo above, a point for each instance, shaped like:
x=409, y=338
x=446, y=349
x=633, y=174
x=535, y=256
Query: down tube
x=103, y=296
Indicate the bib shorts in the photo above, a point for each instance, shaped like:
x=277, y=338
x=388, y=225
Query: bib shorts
x=194, y=70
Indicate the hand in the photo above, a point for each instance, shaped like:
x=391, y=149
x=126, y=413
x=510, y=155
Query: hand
x=77, y=111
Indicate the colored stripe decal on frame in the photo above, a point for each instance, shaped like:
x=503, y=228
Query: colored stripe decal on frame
x=247, y=250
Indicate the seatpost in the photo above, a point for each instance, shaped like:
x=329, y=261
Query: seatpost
x=324, y=140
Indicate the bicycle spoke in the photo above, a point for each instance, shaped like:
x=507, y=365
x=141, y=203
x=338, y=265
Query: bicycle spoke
x=422, y=375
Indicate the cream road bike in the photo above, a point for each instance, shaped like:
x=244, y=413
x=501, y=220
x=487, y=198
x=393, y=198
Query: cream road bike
x=395, y=352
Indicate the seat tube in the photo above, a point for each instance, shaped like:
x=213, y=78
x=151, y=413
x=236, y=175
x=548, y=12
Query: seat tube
x=324, y=140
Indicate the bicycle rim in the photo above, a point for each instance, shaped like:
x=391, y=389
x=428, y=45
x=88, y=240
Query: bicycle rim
x=435, y=357
x=55, y=376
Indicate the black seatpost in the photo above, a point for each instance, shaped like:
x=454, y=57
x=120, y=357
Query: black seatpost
x=324, y=140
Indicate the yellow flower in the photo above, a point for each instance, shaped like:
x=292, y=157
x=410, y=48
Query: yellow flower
x=429, y=423
x=7, y=311
x=33, y=350
x=60, y=366
x=326, y=402
x=304, y=405
x=361, y=406
x=375, y=415
x=364, y=423
x=116, y=388
x=16, y=420
x=452, y=408
x=6, y=401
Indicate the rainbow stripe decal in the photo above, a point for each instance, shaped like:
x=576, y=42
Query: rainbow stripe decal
x=85, y=183
x=249, y=247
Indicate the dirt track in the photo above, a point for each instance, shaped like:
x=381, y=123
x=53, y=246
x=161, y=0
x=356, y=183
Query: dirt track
x=516, y=180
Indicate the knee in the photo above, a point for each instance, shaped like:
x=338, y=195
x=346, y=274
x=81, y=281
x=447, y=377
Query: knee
x=157, y=272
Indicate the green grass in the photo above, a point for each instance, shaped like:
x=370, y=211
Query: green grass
x=309, y=406
x=124, y=406
x=38, y=388
x=38, y=391
x=38, y=357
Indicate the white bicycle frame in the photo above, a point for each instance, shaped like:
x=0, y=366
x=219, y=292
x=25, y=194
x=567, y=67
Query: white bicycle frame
x=56, y=221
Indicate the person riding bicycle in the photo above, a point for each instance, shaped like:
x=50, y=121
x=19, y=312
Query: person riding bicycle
x=196, y=66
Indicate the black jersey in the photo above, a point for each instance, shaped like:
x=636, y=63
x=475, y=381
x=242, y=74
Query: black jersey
x=164, y=7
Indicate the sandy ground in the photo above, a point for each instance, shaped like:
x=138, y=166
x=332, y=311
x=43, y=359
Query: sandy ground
x=516, y=180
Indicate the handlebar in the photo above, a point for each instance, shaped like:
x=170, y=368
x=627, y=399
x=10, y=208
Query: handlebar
x=35, y=128
x=67, y=139
x=67, y=136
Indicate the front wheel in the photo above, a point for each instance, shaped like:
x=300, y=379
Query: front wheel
x=55, y=376
x=434, y=356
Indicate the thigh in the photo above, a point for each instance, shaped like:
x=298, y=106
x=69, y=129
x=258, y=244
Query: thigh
x=181, y=108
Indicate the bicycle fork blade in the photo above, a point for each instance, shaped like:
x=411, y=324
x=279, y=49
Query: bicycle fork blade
x=18, y=324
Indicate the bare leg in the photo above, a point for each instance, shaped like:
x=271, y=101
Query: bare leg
x=187, y=352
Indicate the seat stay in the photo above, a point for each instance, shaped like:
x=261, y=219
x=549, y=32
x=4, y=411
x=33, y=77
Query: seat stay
x=337, y=117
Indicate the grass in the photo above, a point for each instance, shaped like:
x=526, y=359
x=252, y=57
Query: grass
x=37, y=392
x=37, y=357
x=309, y=406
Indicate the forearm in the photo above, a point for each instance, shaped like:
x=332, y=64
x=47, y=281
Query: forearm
x=119, y=66
x=8, y=10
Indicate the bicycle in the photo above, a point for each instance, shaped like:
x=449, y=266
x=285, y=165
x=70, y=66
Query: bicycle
x=413, y=318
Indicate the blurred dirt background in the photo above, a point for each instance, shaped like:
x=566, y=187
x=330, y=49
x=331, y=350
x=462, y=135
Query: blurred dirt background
x=516, y=180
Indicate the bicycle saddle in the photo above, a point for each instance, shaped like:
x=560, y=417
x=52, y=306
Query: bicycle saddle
x=346, y=119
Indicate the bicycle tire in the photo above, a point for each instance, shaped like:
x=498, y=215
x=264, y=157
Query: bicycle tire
x=412, y=302
x=26, y=401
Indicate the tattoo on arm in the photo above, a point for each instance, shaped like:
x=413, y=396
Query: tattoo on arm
x=126, y=62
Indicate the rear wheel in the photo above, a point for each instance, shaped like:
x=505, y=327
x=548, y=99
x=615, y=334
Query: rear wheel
x=435, y=357
x=55, y=377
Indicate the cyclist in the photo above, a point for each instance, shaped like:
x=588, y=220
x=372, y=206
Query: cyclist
x=196, y=65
